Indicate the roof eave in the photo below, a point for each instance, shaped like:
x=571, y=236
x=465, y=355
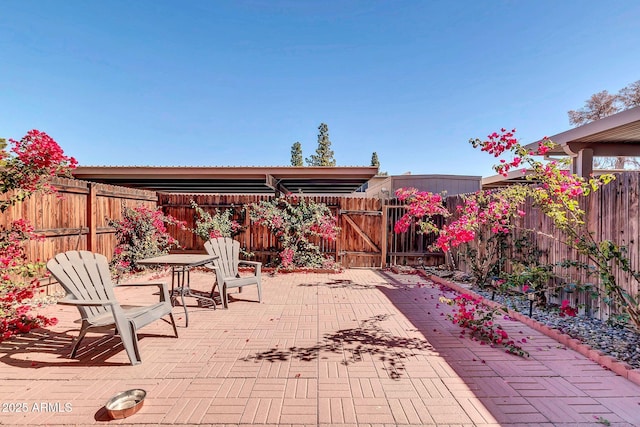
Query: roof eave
x=607, y=129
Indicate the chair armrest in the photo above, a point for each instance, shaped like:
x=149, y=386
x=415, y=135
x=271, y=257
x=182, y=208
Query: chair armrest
x=243, y=261
x=256, y=265
x=162, y=286
x=140, y=284
x=87, y=303
x=253, y=263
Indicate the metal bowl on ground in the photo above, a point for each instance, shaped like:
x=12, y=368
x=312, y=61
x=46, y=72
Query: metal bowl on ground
x=125, y=404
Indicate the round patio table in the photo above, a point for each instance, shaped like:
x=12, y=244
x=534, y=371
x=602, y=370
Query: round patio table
x=180, y=265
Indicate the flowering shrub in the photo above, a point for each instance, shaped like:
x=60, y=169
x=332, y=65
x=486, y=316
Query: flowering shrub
x=141, y=233
x=296, y=222
x=18, y=282
x=219, y=224
x=471, y=314
x=557, y=196
x=36, y=158
x=482, y=225
x=490, y=210
x=422, y=208
x=567, y=310
x=482, y=222
x=27, y=169
x=556, y=192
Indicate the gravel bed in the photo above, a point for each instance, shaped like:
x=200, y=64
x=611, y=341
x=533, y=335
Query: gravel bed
x=618, y=342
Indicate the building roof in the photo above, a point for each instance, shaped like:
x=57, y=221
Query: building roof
x=518, y=176
x=616, y=135
x=232, y=179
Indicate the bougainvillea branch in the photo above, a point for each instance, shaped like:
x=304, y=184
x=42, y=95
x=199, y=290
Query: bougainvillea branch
x=141, y=233
x=34, y=160
x=297, y=223
x=219, y=224
x=472, y=314
x=556, y=193
x=422, y=207
x=25, y=170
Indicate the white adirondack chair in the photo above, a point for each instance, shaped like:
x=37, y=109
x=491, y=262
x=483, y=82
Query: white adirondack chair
x=226, y=268
x=86, y=278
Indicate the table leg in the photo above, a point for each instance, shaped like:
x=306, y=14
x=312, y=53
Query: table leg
x=183, y=291
x=180, y=278
x=178, y=286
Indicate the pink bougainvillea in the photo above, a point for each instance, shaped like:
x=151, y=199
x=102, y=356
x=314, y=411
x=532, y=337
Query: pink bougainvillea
x=33, y=161
x=286, y=257
x=470, y=313
x=213, y=225
x=27, y=169
x=567, y=310
x=141, y=233
x=422, y=208
x=556, y=193
x=298, y=224
x=552, y=189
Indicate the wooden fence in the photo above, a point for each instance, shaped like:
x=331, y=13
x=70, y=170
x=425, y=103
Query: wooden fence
x=359, y=244
x=366, y=239
x=76, y=217
x=612, y=213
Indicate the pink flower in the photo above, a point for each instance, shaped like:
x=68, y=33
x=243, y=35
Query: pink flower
x=286, y=257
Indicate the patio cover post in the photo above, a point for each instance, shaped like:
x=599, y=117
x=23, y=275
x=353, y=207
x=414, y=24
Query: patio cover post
x=583, y=163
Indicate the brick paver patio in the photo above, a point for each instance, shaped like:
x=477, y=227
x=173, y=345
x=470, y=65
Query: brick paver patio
x=360, y=348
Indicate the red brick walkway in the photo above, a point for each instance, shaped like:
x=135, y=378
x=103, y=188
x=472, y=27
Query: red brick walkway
x=361, y=348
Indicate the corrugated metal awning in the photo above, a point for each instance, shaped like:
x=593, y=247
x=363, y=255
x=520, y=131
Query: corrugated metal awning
x=230, y=179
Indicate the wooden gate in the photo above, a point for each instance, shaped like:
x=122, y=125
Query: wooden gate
x=361, y=241
x=412, y=247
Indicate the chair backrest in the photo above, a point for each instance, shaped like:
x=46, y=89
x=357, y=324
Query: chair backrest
x=84, y=275
x=228, y=252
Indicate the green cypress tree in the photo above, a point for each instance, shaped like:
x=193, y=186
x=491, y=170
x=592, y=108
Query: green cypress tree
x=374, y=160
x=324, y=154
x=296, y=154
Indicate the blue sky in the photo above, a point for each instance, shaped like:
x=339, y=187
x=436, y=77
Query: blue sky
x=236, y=83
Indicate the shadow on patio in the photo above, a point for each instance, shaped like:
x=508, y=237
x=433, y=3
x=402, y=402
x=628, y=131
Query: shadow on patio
x=366, y=339
x=47, y=348
x=352, y=349
x=554, y=385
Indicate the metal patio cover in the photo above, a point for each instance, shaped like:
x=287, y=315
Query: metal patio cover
x=232, y=179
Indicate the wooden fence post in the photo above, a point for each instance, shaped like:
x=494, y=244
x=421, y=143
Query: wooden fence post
x=92, y=216
x=247, y=228
x=341, y=235
x=384, y=237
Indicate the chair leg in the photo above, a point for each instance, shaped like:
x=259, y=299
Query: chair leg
x=173, y=323
x=135, y=346
x=225, y=300
x=128, y=336
x=83, y=332
x=259, y=292
x=213, y=288
x=130, y=343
